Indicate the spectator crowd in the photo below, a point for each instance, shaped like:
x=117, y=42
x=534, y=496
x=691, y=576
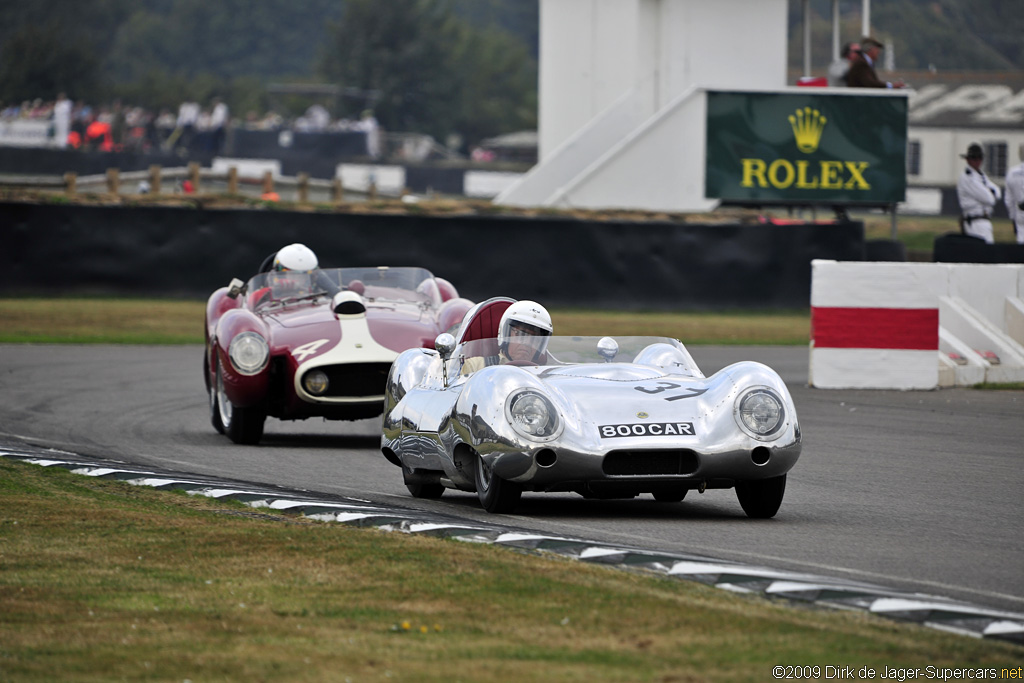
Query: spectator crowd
x=115, y=126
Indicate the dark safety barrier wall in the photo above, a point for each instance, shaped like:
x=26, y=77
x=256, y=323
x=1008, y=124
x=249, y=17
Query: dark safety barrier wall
x=956, y=248
x=179, y=252
x=32, y=161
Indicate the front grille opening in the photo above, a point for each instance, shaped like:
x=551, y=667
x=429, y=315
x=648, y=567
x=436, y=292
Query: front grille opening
x=356, y=379
x=631, y=462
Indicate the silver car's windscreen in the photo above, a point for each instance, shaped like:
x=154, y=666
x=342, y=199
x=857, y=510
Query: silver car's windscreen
x=660, y=352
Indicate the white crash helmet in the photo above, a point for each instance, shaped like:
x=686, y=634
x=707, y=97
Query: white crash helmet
x=297, y=257
x=529, y=317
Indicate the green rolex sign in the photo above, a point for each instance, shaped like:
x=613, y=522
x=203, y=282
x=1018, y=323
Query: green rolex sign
x=776, y=148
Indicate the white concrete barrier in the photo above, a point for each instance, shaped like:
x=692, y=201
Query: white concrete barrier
x=488, y=184
x=388, y=180
x=247, y=168
x=915, y=325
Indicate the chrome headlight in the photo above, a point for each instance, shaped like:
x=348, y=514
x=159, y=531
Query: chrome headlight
x=759, y=412
x=249, y=353
x=532, y=415
x=315, y=382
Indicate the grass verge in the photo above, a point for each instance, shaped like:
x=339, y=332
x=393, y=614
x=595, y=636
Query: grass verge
x=103, y=581
x=141, y=321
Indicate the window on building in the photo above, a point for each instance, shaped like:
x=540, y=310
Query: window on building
x=914, y=157
x=995, y=159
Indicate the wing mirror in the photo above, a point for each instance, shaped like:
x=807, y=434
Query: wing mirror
x=607, y=348
x=445, y=345
x=235, y=288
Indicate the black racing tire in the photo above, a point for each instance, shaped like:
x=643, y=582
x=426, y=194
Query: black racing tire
x=761, y=498
x=241, y=425
x=211, y=392
x=669, y=496
x=428, y=491
x=497, y=495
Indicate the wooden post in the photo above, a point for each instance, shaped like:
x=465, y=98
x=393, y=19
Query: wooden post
x=193, y=175
x=154, y=179
x=337, y=191
x=233, y=180
x=71, y=183
x=303, y=179
x=268, y=183
x=113, y=181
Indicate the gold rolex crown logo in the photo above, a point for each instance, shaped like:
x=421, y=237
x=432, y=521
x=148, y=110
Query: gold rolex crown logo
x=807, y=126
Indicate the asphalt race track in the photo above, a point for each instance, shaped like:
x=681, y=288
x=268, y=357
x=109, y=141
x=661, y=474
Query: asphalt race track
x=921, y=491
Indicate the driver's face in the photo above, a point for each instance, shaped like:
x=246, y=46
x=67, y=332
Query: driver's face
x=290, y=283
x=522, y=342
x=517, y=350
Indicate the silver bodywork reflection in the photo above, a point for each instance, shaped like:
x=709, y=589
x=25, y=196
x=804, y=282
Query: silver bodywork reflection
x=634, y=415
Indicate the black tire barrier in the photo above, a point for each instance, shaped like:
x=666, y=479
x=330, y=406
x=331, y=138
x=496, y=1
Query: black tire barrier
x=189, y=252
x=884, y=250
x=955, y=247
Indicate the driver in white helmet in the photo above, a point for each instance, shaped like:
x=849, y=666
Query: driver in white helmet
x=523, y=334
x=293, y=257
x=293, y=271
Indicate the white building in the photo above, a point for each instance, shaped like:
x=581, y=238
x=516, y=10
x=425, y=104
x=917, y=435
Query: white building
x=621, y=115
x=620, y=78
x=949, y=111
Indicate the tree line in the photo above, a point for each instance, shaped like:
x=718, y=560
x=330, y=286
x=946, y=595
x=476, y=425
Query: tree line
x=443, y=67
x=944, y=35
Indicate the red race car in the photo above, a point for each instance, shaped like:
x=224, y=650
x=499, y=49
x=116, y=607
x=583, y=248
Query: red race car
x=294, y=345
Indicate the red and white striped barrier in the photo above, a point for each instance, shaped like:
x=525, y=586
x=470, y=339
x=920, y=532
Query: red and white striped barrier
x=898, y=325
x=873, y=326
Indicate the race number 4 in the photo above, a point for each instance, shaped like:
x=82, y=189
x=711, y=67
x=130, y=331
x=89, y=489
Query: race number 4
x=301, y=353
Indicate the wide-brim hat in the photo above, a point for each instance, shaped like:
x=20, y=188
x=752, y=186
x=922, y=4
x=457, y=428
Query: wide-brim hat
x=974, y=151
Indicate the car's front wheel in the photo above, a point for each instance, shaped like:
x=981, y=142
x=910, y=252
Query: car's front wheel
x=496, y=495
x=242, y=425
x=761, y=498
x=211, y=392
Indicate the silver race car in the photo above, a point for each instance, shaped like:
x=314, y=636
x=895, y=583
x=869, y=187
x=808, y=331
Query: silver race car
x=603, y=417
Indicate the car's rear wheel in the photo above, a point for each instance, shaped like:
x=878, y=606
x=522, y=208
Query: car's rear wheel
x=496, y=495
x=761, y=498
x=430, y=491
x=421, y=489
x=242, y=425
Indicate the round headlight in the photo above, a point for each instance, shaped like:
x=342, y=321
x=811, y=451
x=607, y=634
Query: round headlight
x=532, y=415
x=760, y=413
x=315, y=382
x=249, y=353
